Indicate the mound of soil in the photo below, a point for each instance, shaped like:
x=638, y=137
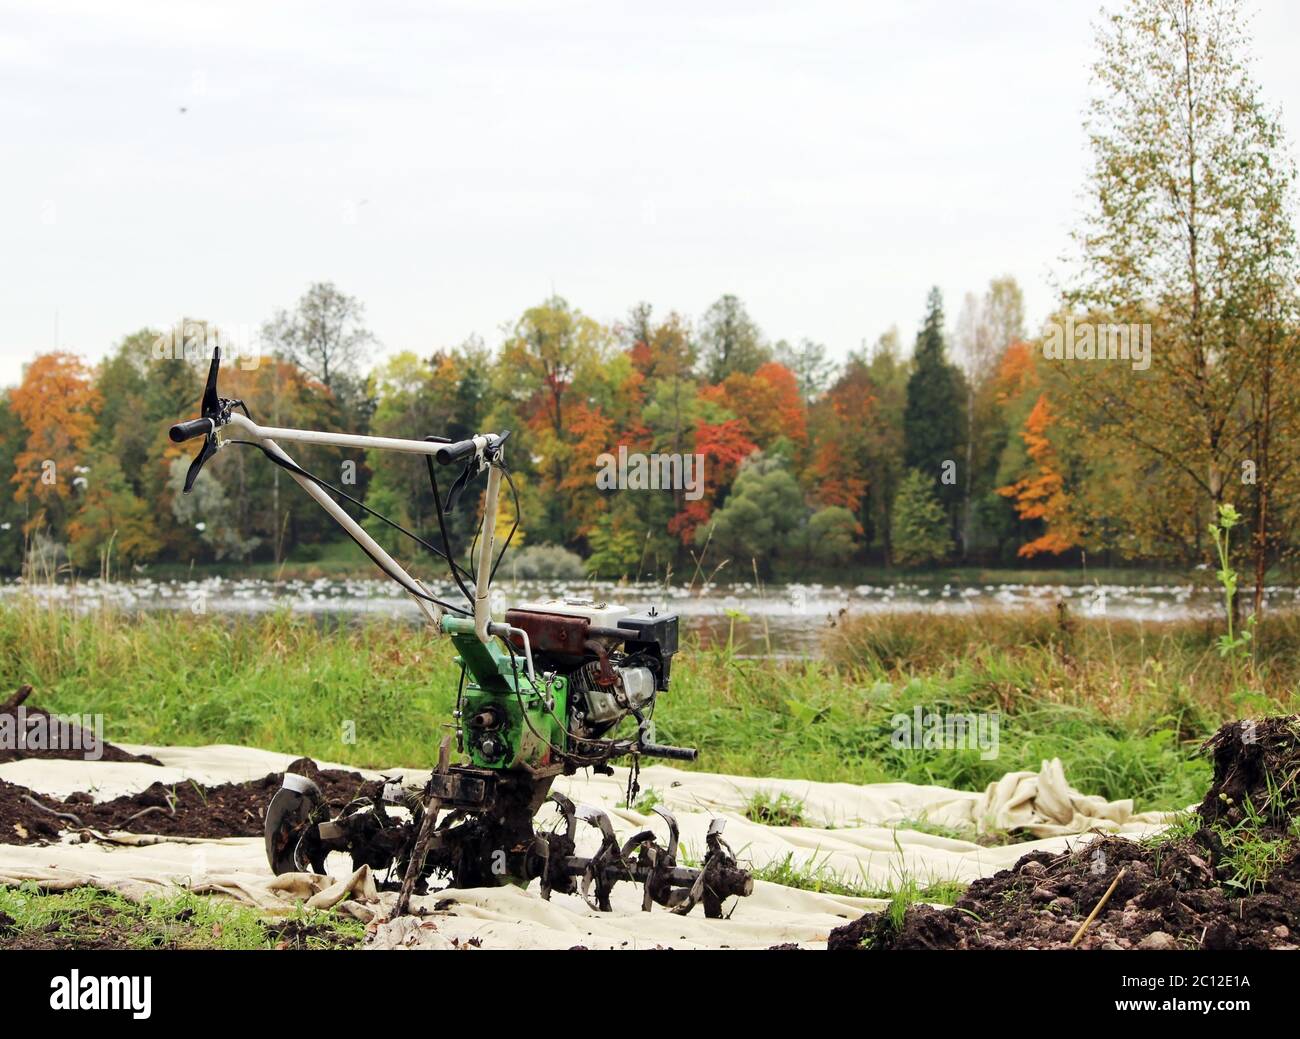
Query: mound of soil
x=1188, y=891
x=1255, y=762
x=30, y=715
x=184, y=810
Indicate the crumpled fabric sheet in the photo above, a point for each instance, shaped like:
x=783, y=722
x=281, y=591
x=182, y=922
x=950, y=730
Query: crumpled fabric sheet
x=862, y=835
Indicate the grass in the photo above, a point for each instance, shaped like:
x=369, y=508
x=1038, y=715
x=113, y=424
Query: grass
x=646, y=802
x=1250, y=859
x=1123, y=705
x=817, y=875
x=774, y=809
x=88, y=917
x=989, y=838
x=1251, y=851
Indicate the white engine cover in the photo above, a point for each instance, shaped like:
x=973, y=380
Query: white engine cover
x=600, y=614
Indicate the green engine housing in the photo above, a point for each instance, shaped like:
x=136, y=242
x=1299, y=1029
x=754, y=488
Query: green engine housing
x=507, y=722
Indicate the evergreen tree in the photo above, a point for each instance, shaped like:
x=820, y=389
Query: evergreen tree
x=933, y=420
x=763, y=512
x=919, y=533
x=833, y=535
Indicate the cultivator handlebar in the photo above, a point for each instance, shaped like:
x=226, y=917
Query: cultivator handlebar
x=485, y=445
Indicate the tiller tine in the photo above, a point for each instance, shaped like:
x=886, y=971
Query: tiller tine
x=607, y=867
x=640, y=859
x=291, y=845
x=555, y=848
x=671, y=820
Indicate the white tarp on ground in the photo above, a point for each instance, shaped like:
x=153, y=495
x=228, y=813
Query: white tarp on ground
x=851, y=832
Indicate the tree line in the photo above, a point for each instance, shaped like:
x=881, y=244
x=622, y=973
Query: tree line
x=803, y=461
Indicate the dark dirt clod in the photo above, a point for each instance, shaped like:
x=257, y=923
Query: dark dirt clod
x=299, y=934
x=1176, y=893
x=184, y=810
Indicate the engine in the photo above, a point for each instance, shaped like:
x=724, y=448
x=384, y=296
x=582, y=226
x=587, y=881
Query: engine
x=615, y=662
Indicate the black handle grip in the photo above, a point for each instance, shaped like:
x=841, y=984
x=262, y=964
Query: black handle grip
x=661, y=750
x=195, y=427
x=454, y=452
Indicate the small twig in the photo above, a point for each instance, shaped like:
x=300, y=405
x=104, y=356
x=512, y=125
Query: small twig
x=1101, y=904
x=144, y=811
x=44, y=808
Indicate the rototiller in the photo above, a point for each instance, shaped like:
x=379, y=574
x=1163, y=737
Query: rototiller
x=542, y=693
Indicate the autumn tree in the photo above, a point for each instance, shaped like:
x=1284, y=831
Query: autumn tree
x=324, y=335
x=1188, y=232
x=767, y=403
x=551, y=362
x=724, y=445
x=986, y=326
x=729, y=340
x=812, y=367
x=882, y=437
x=442, y=395
x=1040, y=494
x=840, y=470
x=57, y=403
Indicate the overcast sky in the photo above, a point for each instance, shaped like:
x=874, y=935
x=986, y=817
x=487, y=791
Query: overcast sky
x=453, y=163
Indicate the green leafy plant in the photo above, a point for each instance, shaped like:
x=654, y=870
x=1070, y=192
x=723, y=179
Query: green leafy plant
x=1232, y=642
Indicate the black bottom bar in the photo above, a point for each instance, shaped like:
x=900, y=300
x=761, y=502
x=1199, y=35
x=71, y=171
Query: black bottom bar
x=265, y=988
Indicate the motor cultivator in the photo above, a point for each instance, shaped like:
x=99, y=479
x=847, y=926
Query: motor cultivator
x=543, y=693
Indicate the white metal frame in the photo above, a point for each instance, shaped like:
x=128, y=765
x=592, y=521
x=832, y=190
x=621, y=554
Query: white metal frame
x=267, y=437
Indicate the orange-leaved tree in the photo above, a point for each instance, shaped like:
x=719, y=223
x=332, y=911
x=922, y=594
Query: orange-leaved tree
x=1040, y=493
x=839, y=473
x=767, y=404
x=57, y=402
x=724, y=445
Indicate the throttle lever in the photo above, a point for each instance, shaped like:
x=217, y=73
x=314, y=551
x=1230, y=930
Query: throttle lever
x=210, y=410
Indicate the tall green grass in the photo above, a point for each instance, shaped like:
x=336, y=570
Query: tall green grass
x=1123, y=705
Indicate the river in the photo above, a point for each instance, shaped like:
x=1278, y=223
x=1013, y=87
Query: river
x=781, y=620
